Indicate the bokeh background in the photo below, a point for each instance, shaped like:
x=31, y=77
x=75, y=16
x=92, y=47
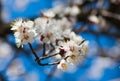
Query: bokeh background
x=102, y=62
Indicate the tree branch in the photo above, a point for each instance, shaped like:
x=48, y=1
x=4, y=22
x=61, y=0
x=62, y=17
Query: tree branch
x=48, y=56
x=38, y=60
x=44, y=49
x=34, y=53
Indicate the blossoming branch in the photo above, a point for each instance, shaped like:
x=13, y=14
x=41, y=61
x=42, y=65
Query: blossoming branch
x=53, y=29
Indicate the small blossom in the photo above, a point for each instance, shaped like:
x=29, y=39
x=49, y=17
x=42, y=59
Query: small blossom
x=93, y=19
x=24, y=32
x=63, y=65
x=85, y=45
x=48, y=30
x=75, y=10
x=17, y=23
x=67, y=10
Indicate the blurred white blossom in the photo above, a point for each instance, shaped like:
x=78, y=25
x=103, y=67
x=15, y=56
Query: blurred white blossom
x=98, y=67
x=15, y=70
x=93, y=19
x=48, y=13
x=3, y=53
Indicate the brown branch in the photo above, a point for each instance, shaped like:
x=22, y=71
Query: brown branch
x=53, y=48
x=44, y=57
x=48, y=56
x=34, y=53
x=44, y=49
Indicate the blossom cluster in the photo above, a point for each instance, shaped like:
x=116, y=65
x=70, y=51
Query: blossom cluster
x=56, y=29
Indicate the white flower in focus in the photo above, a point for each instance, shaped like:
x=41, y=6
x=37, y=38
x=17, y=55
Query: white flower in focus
x=73, y=49
x=49, y=13
x=16, y=24
x=24, y=32
x=63, y=65
x=48, y=30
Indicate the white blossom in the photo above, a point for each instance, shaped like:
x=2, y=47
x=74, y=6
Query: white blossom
x=73, y=11
x=47, y=30
x=93, y=19
x=72, y=50
x=63, y=65
x=24, y=32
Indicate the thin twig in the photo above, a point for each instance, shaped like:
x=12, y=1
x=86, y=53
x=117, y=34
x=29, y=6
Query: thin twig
x=48, y=64
x=44, y=49
x=48, y=56
x=53, y=63
x=53, y=48
x=33, y=51
x=39, y=60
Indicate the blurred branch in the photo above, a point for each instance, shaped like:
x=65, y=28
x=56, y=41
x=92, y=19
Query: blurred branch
x=110, y=14
x=2, y=77
x=80, y=30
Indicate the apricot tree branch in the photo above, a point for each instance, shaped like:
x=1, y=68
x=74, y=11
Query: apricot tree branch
x=38, y=60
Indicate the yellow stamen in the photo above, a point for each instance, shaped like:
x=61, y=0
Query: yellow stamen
x=64, y=66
